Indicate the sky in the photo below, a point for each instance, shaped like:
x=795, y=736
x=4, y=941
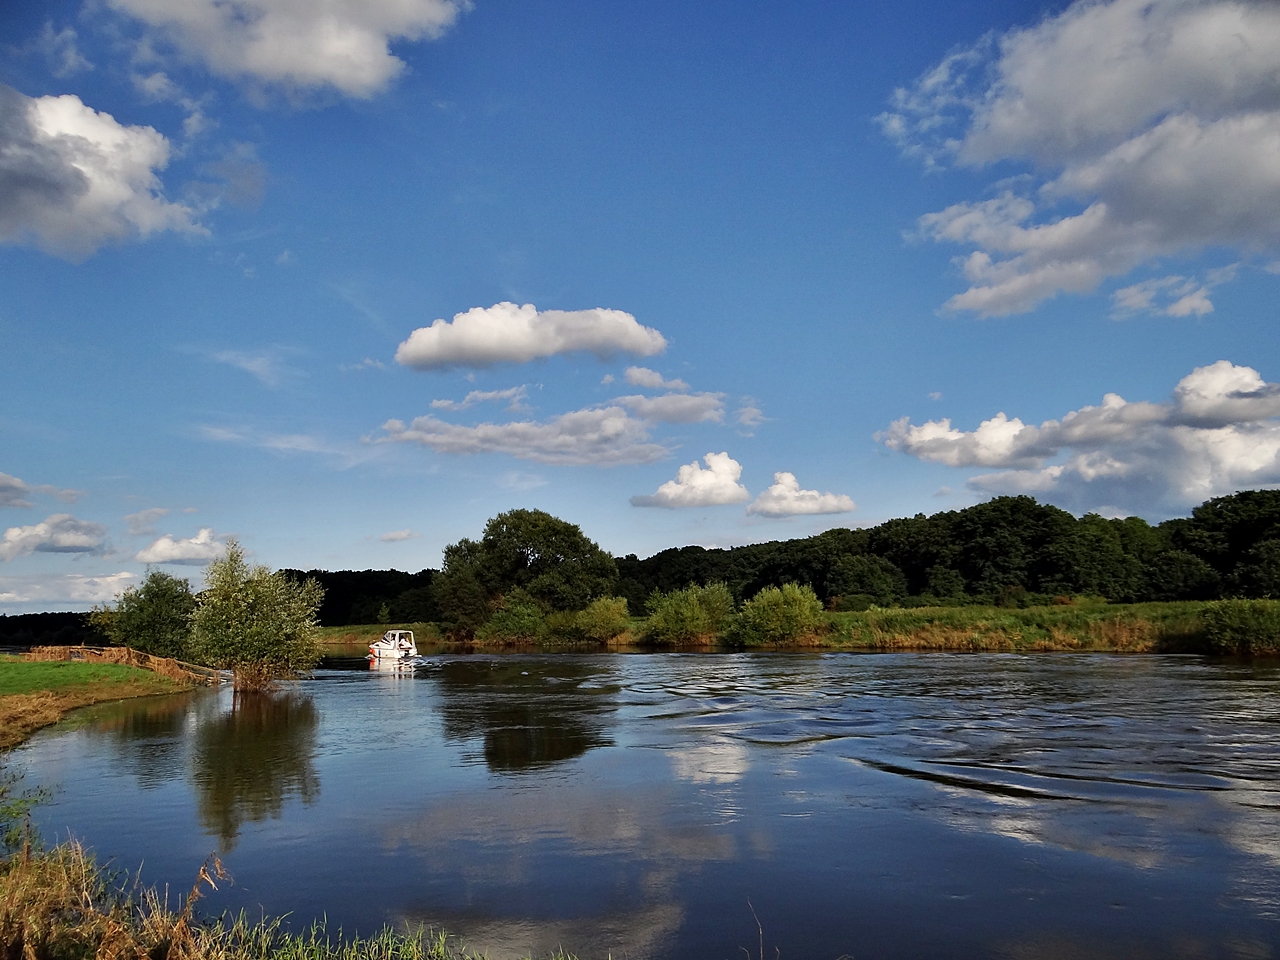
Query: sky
x=343, y=279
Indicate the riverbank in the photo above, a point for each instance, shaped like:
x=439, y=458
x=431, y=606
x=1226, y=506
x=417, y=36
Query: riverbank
x=61, y=903
x=1082, y=626
x=35, y=694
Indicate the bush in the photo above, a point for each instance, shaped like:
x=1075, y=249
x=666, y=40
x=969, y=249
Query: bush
x=260, y=624
x=1243, y=626
x=154, y=617
x=779, y=615
x=603, y=619
x=690, y=615
x=518, y=618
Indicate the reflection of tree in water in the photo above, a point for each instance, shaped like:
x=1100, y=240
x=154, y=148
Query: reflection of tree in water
x=145, y=735
x=530, y=713
x=250, y=759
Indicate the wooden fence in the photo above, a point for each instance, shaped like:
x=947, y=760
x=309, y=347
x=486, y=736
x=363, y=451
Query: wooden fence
x=166, y=667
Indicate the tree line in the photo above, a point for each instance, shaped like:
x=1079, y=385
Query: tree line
x=1010, y=551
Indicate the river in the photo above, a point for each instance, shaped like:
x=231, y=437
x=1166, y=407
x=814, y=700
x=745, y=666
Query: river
x=705, y=805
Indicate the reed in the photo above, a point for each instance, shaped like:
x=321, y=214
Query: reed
x=61, y=905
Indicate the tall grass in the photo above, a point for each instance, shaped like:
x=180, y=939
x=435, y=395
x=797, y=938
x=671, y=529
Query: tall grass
x=61, y=905
x=1131, y=628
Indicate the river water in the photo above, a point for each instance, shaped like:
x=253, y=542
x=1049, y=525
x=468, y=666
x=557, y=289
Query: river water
x=706, y=805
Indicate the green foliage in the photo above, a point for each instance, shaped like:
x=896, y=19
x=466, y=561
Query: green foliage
x=1259, y=575
x=1243, y=626
x=779, y=615
x=518, y=618
x=603, y=619
x=866, y=575
x=549, y=560
x=154, y=617
x=694, y=614
x=260, y=624
x=1179, y=575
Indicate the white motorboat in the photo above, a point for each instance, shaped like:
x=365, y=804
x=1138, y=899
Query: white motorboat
x=394, y=645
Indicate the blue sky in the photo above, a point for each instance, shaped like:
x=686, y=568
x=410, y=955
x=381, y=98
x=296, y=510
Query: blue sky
x=345, y=279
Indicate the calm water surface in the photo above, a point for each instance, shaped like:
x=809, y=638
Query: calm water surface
x=642, y=806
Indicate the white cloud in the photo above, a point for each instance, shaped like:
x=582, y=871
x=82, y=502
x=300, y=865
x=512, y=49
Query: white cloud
x=13, y=492
x=695, y=486
x=64, y=57
x=73, y=179
x=1220, y=432
x=507, y=333
x=515, y=397
x=264, y=365
x=785, y=499
x=59, y=533
x=603, y=436
x=64, y=588
x=749, y=416
x=200, y=549
x=395, y=536
x=1158, y=121
x=651, y=379
x=338, y=44
x=144, y=521
x=516, y=480
x=677, y=407
x=1171, y=296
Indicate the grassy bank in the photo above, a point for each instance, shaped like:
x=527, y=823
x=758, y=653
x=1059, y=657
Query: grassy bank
x=1102, y=627
x=37, y=694
x=60, y=905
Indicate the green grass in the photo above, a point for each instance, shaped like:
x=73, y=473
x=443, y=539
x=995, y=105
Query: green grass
x=26, y=676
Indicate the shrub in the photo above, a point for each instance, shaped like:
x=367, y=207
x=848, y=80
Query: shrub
x=1243, y=626
x=688, y=615
x=603, y=619
x=260, y=624
x=779, y=615
x=154, y=617
x=518, y=618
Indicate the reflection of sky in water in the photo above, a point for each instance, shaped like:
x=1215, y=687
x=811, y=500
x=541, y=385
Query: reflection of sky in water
x=894, y=806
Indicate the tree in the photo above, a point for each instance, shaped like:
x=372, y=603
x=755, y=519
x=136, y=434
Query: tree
x=154, y=617
x=550, y=560
x=259, y=624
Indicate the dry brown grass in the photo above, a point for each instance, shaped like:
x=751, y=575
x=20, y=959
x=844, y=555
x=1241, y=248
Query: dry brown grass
x=60, y=905
x=22, y=714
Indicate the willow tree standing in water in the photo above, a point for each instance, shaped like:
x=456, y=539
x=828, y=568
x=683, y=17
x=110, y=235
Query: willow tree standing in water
x=258, y=624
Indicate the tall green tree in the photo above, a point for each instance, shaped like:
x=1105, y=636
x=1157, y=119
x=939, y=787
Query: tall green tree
x=550, y=560
x=154, y=617
x=259, y=624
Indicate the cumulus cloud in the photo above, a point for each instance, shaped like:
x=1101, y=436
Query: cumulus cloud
x=64, y=588
x=514, y=396
x=200, y=549
x=336, y=44
x=1220, y=432
x=60, y=533
x=695, y=486
x=1158, y=122
x=785, y=499
x=507, y=333
x=395, y=536
x=651, y=379
x=14, y=492
x=677, y=407
x=603, y=436
x=73, y=179
x=144, y=521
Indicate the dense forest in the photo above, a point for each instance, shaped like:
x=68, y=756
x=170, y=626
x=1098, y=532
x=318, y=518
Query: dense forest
x=1010, y=551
